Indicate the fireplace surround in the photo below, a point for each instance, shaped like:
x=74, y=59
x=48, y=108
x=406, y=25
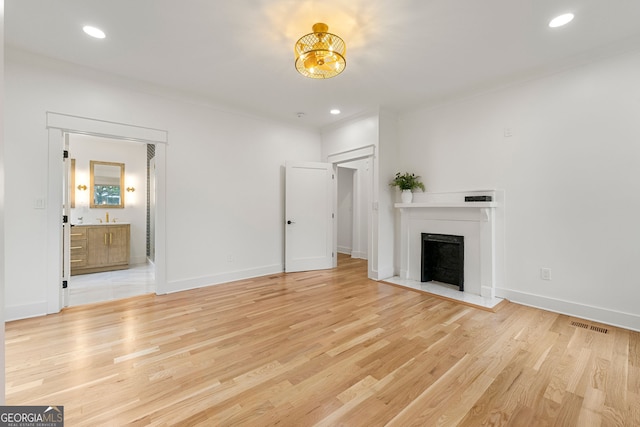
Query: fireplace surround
x=480, y=224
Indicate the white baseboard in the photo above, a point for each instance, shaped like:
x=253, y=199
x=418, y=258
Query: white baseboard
x=381, y=274
x=596, y=314
x=353, y=254
x=231, y=276
x=359, y=255
x=138, y=260
x=25, y=311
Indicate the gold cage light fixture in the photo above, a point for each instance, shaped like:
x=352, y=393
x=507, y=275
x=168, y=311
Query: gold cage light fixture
x=320, y=55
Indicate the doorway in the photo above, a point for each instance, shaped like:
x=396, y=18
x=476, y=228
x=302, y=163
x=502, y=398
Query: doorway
x=58, y=126
x=345, y=211
x=86, y=214
x=353, y=203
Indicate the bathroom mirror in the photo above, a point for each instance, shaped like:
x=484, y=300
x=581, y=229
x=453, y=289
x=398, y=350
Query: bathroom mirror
x=107, y=184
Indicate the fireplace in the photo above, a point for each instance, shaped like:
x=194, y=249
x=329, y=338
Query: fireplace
x=442, y=259
x=480, y=224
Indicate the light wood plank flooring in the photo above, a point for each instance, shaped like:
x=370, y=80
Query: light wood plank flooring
x=328, y=348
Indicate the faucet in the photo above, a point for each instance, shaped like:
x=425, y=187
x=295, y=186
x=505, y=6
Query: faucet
x=107, y=216
x=99, y=219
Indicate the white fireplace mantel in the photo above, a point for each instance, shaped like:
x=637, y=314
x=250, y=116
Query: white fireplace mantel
x=480, y=223
x=464, y=205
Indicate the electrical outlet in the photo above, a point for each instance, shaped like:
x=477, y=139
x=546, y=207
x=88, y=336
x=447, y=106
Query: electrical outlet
x=230, y=258
x=508, y=132
x=545, y=273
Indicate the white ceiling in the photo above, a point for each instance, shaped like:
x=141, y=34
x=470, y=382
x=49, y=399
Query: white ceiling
x=400, y=53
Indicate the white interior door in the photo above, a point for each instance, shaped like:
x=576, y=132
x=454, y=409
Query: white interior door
x=309, y=217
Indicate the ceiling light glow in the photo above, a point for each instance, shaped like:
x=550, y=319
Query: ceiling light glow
x=561, y=20
x=335, y=111
x=94, y=32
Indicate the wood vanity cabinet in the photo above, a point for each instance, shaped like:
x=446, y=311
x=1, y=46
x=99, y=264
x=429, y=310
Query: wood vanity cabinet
x=96, y=248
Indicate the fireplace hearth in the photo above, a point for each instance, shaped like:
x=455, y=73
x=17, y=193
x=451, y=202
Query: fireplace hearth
x=442, y=259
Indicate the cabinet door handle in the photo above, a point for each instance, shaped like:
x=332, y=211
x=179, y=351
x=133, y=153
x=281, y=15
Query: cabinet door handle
x=105, y=239
x=110, y=238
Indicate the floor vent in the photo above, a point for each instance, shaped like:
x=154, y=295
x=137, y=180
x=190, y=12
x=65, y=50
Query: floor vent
x=590, y=327
x=580, y=325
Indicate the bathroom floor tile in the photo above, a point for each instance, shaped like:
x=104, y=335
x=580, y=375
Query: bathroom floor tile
x=111, y=285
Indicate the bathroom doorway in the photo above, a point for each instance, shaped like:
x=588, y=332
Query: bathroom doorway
x=60, y=126
x=85, y=285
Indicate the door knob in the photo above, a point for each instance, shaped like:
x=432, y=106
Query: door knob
x=290, y=222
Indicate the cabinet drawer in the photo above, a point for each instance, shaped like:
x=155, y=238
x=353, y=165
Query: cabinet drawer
x=78, y=249
x=78, y=233
x=78, y=261
x=78, y=245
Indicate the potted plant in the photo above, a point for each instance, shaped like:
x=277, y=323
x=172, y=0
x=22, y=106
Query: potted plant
x=407, y=182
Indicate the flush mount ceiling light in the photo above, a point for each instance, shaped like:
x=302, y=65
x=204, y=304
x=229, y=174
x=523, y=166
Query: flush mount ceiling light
x=320, y=55
x=561, y=20
x=335, y=111
x=93, y=31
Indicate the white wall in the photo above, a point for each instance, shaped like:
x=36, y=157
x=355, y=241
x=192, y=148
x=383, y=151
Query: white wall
x=85, y=148
x=571, y=175
x=225, y=182
x=349, y=135
x=386, y=195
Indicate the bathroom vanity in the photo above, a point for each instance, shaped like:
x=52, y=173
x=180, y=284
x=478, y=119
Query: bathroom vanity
x=99, y=247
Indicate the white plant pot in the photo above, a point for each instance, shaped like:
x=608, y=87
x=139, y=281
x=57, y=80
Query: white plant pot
x=407, y=196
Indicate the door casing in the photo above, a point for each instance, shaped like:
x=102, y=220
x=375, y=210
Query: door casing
x=58, y=124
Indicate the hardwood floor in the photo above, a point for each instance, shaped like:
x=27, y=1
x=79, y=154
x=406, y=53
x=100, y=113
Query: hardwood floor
x=321, y=348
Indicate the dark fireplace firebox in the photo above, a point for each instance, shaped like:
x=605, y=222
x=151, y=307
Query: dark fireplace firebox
x=443, y=259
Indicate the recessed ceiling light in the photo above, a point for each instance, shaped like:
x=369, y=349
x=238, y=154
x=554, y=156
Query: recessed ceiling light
x=94, y=32
x=335, y=111
x=561, y=20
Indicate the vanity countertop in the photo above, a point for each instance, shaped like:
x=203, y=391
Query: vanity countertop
x=93, y=224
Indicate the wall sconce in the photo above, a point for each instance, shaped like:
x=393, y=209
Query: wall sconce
x=131, y=189
x=82, y=187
